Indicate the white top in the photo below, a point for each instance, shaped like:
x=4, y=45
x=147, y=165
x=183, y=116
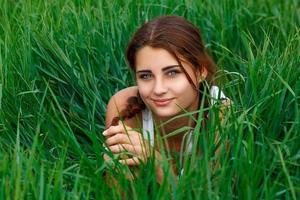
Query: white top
x=148, y=126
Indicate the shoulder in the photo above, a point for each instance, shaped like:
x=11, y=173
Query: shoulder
x=118, y=102
x=121, y=96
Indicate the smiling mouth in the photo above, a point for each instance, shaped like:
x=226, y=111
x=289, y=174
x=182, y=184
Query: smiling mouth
x=162, y=102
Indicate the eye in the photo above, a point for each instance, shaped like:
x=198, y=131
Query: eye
x=173, y=73
x=145, y=76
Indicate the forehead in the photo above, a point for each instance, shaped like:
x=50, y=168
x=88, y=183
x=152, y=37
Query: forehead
x=154, y=58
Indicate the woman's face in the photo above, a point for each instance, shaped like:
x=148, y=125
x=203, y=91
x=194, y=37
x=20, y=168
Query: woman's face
x=163, y=85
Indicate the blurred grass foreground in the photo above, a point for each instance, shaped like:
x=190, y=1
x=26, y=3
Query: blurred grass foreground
x=60, y=61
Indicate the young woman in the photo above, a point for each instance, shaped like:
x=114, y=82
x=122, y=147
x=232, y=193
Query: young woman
x=172, y=70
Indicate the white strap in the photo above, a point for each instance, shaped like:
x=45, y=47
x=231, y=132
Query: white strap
x=148, y=129
x=216, y=94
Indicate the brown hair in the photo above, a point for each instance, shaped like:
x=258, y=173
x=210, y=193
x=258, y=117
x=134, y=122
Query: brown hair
x=180, y=38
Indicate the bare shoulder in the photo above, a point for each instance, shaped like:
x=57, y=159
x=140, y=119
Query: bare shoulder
x=119, y=99
x=118, y=102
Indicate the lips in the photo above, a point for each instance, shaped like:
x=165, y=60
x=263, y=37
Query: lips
x=162, y=102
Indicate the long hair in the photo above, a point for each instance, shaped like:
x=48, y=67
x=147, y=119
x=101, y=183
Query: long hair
x=180, y=38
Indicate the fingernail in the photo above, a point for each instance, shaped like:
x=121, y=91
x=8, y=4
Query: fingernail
x=104, y=133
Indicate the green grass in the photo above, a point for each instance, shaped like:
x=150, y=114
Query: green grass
x=60, y=61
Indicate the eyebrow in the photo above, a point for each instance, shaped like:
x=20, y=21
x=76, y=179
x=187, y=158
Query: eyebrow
x=163, y=69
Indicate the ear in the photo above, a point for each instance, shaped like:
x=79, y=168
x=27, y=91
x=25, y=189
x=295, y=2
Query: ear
x=202, y=74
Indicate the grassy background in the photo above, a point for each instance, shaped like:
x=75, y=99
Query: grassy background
x=60, y=61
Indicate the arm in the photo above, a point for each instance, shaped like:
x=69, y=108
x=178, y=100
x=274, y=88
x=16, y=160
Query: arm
x=123, y=138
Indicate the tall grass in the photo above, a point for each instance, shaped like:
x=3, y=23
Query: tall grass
x=60, y=61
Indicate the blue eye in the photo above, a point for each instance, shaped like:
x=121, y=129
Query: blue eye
x=172, y=72
x=145, y=76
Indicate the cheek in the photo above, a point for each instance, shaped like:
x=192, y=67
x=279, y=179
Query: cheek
x=144, y=90
x=183, y=87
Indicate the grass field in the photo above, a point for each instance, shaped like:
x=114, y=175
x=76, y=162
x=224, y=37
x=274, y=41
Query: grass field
x=60, y=61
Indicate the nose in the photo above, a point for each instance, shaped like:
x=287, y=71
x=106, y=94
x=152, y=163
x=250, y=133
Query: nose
x=159, y=87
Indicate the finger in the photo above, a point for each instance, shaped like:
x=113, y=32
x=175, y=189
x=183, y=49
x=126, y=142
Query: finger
x=118, y=138
x=119, y=148
x=122, y=124
x=112, y=130
x=131, y=161
x=131, y=137
x=110, y=158
x=121, y=138
x=124, y=128
x=106, y=157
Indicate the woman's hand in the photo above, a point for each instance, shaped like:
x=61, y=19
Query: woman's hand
x=122, y=140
